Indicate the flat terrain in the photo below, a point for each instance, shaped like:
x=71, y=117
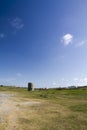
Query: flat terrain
x=15, y=112
x=43, y=109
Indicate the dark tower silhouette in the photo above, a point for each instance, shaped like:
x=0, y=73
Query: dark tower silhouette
x=30, y=86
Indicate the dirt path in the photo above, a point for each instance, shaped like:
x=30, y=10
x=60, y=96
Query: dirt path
x=11, y=110
x=8, y=111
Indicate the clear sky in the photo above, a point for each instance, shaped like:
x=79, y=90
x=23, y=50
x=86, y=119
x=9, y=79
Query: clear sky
x=44, y=42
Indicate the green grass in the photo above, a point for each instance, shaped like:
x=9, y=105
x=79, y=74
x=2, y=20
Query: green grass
x=79, y=108
x=61, y=109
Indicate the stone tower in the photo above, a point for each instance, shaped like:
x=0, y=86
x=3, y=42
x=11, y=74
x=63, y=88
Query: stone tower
x=30, y=86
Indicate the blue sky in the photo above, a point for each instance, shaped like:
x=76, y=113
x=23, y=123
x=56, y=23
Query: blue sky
x=44, y=42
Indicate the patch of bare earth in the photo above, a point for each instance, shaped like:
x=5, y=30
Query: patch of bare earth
x=11, y=110
x=18, y=113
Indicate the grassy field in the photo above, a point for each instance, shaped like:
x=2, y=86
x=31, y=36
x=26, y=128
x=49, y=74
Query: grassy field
x=47, y=109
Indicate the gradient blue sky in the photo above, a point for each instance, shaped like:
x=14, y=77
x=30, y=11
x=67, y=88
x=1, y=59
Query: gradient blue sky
x=43, y=41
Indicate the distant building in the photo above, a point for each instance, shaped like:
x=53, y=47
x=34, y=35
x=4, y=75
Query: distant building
x=72, y=87
x=30, y=87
